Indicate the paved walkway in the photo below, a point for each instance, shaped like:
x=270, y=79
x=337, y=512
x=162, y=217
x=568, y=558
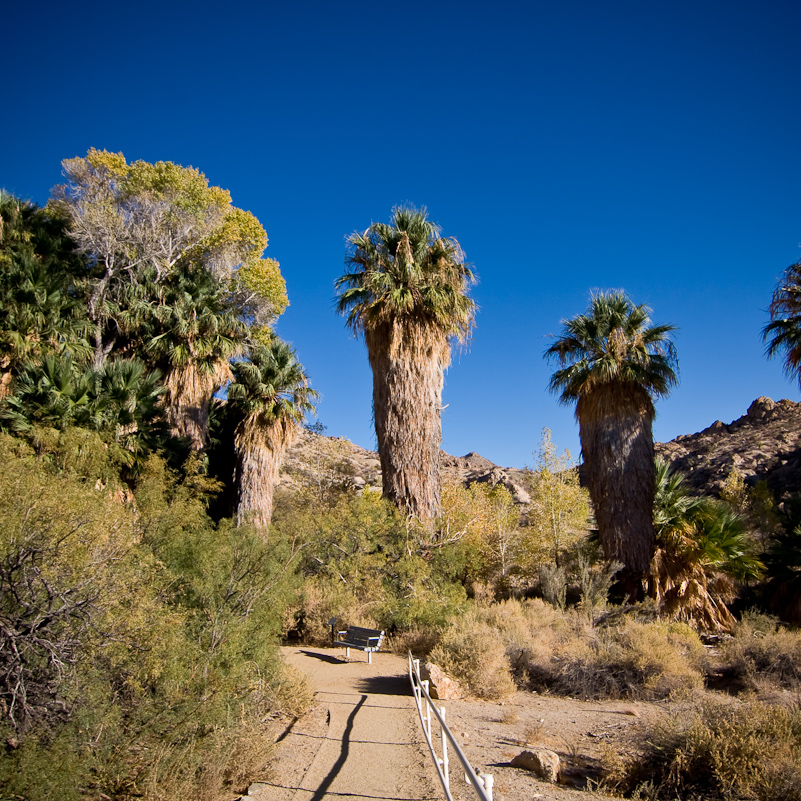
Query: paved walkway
x=362, y=741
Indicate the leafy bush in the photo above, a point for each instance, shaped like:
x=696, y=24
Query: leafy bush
x=137, y=655
x=360, y=564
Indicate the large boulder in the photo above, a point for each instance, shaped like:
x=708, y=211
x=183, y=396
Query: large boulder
x=440, y=686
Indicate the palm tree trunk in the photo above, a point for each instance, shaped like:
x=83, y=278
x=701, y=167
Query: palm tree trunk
x=187, y=399
x=408, y=361
x=618, y=449
x=260, y=449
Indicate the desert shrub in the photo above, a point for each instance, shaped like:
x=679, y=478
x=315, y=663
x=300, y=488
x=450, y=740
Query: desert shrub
x=420, y=640
x=635, y=660
x=144, y=661
x=474, y=653
x=762, y=653
x=360, y=564
x=553, y=583
x=721, y=750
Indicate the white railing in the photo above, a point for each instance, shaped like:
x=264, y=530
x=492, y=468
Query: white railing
x=482, y=782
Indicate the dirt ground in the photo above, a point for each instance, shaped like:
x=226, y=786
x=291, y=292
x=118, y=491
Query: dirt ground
x=363, y=738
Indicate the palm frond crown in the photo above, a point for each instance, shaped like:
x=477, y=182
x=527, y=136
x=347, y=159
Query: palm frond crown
x=272, y=383
x=406, y=270
x=612, y=342
x=782, y=335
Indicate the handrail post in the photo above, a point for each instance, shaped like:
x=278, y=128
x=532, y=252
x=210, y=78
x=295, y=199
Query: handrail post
x=428, y=708
x=482, y=783
x=443, y=738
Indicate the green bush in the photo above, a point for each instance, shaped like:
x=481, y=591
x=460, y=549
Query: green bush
x=137, y=642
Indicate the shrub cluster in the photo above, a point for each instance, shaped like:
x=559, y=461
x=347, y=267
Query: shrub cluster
x=719, y=750
x=137, y=654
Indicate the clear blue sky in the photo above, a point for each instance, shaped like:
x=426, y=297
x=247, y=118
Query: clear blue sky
x=644, y=145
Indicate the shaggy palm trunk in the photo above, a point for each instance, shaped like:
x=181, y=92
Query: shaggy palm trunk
x=618, y=449
x=261, y=445
x=187, y=399
x=408, y=361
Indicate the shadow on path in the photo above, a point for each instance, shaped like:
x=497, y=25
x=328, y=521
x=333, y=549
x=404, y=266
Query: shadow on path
x=320, y=792
x=333, y=660
x=385, y=685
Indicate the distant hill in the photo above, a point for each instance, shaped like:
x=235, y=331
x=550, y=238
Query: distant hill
x=765, y=443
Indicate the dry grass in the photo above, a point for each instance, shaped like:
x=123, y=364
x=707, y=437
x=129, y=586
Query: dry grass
x=763, y=656
x=545, y=649
x=719, y=750
x=474, y=653
x=420, y=640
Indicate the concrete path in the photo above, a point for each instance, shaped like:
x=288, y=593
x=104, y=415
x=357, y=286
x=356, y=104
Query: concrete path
x=362, y=741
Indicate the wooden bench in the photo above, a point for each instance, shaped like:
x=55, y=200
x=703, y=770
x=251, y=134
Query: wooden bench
x=368, y=640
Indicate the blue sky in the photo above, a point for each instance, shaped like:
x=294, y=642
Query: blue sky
x=572, y=145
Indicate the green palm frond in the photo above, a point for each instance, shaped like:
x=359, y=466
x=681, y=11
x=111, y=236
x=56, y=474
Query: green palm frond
x=782, y=335
x=613, y=342
x=406, y=270
x=272, y=383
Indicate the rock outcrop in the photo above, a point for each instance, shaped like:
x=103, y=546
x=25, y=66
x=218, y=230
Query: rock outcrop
x=763, y=444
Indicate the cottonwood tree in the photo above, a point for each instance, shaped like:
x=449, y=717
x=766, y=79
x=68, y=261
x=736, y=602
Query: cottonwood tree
x=559, y=512
x=144, y=226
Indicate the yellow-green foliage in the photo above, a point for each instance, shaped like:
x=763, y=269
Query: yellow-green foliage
x=721, y=750
x=137, y=639
x=477, y=536
x=559, y=513
x=360, y=564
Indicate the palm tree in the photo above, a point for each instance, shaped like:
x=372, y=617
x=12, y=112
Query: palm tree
x=39, y=309
x=184, y=326
x=783, y=333
x=405, y=291
x=613, y=363
x=703, y=547
x=120, y=401
x=271, y=393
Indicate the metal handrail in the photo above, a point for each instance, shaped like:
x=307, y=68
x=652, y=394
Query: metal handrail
x=482, y=782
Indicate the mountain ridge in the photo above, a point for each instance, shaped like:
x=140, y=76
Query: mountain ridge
x=764, y=444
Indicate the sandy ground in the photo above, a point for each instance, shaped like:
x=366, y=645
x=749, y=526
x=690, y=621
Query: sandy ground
x=361, y=741
x=363, y=738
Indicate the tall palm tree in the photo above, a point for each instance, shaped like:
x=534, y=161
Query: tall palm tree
x=271, y=393
x=783, y=333
x=612, y=364
x=405, y=291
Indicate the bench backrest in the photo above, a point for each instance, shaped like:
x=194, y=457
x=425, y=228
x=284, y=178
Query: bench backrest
x=361, y=636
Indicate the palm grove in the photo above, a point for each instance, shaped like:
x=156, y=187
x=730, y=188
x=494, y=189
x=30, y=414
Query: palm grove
x=147, y=565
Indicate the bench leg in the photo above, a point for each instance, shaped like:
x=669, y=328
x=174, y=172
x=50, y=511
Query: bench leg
x=347, y=654
x=369, y=657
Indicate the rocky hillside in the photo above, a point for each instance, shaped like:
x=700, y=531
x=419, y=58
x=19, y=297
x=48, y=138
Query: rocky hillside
x=765, y=443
